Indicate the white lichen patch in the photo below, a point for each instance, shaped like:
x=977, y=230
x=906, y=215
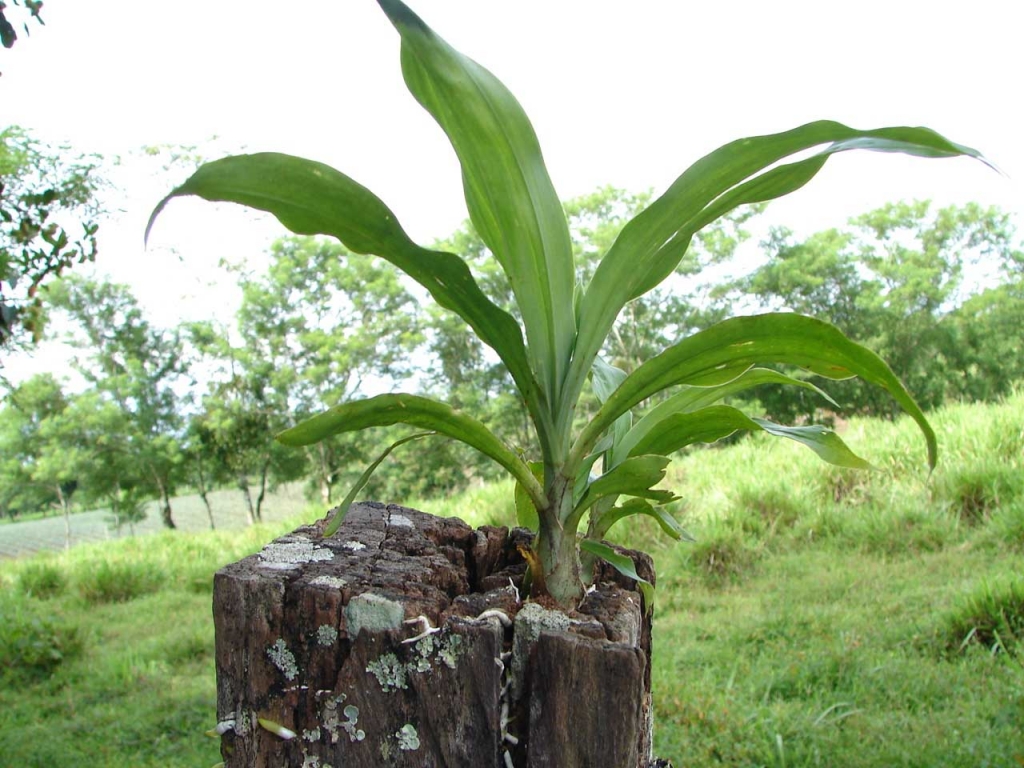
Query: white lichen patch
x=283, y=659
x=354, y=546
x=310, y=761
x=351, y=721
x=408, y=739
x=389, y=671
x=372, y=613
x=291, y=553
x=334, y=582
x=401, y=521
x=326, y=634
x=313, y=735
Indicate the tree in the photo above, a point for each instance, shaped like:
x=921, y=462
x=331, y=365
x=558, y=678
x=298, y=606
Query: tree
x=319, y=327
x=241, y=412
x=896, y=279
x=48, y=223
x=23, y=488
x=136, y=367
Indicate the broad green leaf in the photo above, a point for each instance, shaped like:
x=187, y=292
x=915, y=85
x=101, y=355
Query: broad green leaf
x=722, y=352
x=636, y=476
x=632, y=507
x=651, y=245
x=526, y=510
x=511, y=200
x=416, y=411
x=342, y=509
x=311, y=198
x=710, y=424
x=690, y=398
x=623, y=565
x=605, y=379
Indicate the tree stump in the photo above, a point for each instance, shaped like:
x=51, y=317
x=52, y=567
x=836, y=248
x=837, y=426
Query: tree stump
x=402, y=641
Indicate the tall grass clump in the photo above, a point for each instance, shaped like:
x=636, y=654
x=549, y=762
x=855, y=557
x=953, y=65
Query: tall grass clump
x=118, y=581
x=42, y=579
x=991, y=616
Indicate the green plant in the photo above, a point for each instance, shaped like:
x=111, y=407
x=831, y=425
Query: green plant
x=118, y=582
x=42, y=579
x=33, y=646
x=991, y=616
x=516, y=211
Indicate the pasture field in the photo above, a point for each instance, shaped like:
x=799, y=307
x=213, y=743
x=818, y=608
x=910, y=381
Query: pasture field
x=823, y=618
x=189, y=514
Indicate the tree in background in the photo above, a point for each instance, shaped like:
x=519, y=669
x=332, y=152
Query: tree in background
x=323, y=325
x=911, y=284
x=134, y=367
x=48, y=223
x=23, y=488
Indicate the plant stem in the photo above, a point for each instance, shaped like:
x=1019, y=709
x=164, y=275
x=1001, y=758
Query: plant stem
x=556, y=543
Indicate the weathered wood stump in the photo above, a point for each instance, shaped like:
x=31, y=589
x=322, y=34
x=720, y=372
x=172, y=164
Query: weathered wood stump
x=402, y=641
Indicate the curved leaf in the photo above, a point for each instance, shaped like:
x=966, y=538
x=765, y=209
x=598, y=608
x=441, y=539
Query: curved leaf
x=385, y=410
x=636, y=476
x=710, y=424
x=623, y=565
x=690, y=398
x=651, y=245
x=342, y=509
x=605, y=378
x=724, y=351
x=641, y=507
x=526, y=510
x=511, y=200
x=311, y=198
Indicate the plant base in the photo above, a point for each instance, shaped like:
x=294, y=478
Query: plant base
x=402, y=641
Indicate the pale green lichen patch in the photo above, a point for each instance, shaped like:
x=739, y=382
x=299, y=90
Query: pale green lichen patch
x=313, y=735
x=408, y=739
x=529, y=623
x=283, y=659
x=329, y=714
x=326, y=634
x=351, y=720
x=373, y=613
x=389, y=671
x=450, y=650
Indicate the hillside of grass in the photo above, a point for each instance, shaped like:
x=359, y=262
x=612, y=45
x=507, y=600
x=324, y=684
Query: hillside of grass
x=822, y=618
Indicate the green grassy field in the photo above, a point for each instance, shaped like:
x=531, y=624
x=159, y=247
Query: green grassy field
x=823, y=618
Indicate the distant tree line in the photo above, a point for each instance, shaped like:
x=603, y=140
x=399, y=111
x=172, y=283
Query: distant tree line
x=938, y=293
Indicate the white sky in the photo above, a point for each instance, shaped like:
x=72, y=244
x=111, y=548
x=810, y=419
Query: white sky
x=627, y=93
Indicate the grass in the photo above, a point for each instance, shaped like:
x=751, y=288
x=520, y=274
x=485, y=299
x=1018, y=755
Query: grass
x=821, y=619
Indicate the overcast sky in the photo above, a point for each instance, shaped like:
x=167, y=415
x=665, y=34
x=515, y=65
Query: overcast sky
x=626, y=93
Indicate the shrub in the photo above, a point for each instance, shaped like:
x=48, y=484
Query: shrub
x=32, y=646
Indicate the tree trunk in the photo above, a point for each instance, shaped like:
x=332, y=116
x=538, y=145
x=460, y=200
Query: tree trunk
x=243, y=486
x=165, y=502
x=263, y=491
x=65, y=505
x=402, y=641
